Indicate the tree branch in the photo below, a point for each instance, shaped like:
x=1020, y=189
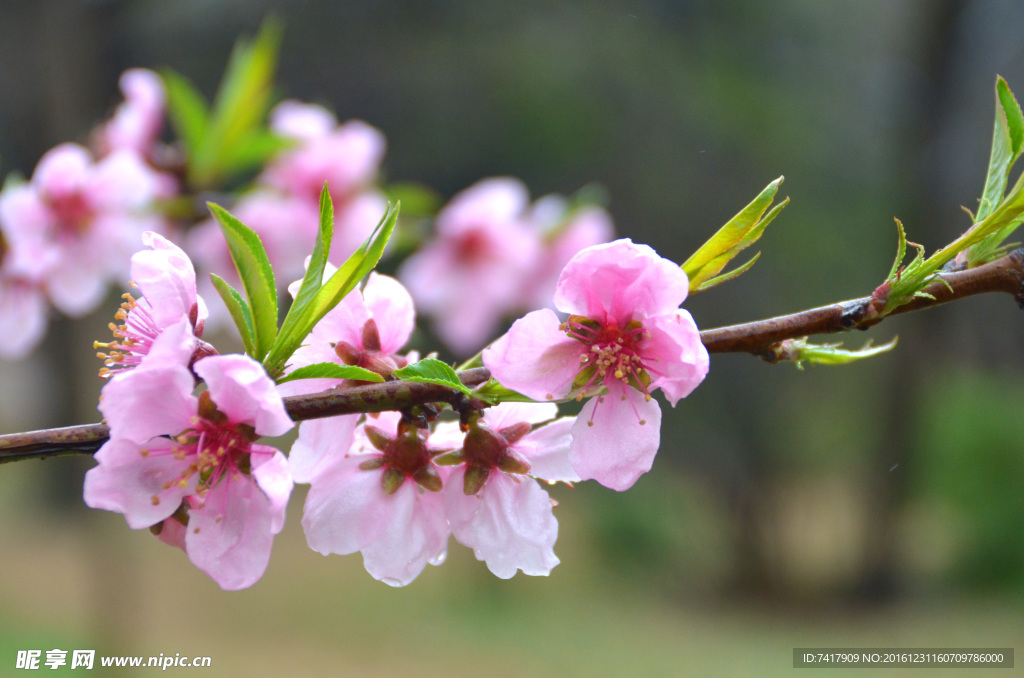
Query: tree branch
x=1005, y=274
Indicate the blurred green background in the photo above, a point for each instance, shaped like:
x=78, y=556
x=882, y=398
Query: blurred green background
x=878, y=504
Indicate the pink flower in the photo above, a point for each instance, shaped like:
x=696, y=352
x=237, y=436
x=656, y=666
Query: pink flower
x=564, y=232
x=165, y=276
x=86, y=220
x=136, y=124
x=346, y=156
x=194, y=459
x=625, y=333
x=373, y=489
x=23, y=307
x=493, y=504
x=472, y=275
x=367, y=329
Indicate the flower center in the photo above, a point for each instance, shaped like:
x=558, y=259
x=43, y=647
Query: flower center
x=216, y=447
x=404, y=456
x=73, y=212
x=613, y=354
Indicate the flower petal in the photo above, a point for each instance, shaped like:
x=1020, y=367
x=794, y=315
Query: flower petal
x=534, y=357
x=126, y=481
x=320, y=443
x=229, y=537
x=509, y=524
x=618, y=282
x=547, y=451
x=616, y=437
x=412, y=531
x=392, y=309
x=682, y=361
x=242, y=390
x=274, y=478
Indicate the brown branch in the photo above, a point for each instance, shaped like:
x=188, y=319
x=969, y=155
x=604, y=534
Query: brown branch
x=1002, y=275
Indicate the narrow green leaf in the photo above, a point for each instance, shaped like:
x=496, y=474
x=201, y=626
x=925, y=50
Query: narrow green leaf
x=800, y=351
x=737, y=234
x=1014, y=117
x=1007, y=137
x=493, y=392
x=242, y=102
x=186, y=108
x=901, y=251
x=257, y=277
x=298, y=323
x=433, y=371
x=255, y=150
x=331, y=371
x=362, y=261
x=726, y=277
x=239, y=311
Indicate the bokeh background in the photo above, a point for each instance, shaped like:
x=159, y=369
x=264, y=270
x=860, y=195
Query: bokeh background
x=878, y=504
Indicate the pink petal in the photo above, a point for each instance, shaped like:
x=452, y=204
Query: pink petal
x=616, y=448
x=293, y=118
x=230, y=536
x=337, y=506
x=320, y=443
x=23, y=318
x=682, y=361
x=413, y=531
x=155, y=399
x=62, y=170
x=509, y=524
x=242, y=390
x=126, y=481
x=274, y=478
x=618, y=282
x=166, y=278
x=535, y=358
x=392, y=309
x=547, y=451
x=489, y=203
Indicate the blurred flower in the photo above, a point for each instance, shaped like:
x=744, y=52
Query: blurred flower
x=564, y=231
x=381, y=496
x=493, y=505
x=165, y=276
x=23, y=307
x=82, y=220
x=346, y=156
x=472, y=275
x=194, y=459
x=137, y=122
x=625, y=334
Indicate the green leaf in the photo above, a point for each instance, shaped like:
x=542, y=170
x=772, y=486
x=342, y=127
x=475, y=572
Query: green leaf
x=296, y=325
x=362, y=261
x=1007, y=137
x=256, y=274
x=239, y=311
x=725, y=277
x=433, y=371
x=739, y=233
x=901, y=251
x=331, y=371
x=800, y=351
x=493, y=392
x=418, y=200
x=326, y=296
x=241, y=104
x=187, y=109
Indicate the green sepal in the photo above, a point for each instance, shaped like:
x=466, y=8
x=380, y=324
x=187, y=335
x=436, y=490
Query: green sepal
x=239, y=311
x=433, y=371
x=739, y=233
x=256, y=274
x=331, y=371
